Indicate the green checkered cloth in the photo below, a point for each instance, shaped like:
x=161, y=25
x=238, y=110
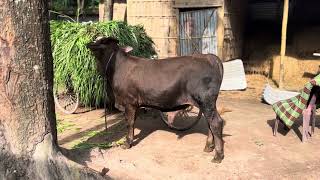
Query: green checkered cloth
x=289, y=110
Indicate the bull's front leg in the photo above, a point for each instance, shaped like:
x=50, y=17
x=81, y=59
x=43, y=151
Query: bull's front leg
x=130, y=115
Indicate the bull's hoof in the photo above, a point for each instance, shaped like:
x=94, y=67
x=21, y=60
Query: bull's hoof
x=217, y=158
x=125, y=145
x=209, y=148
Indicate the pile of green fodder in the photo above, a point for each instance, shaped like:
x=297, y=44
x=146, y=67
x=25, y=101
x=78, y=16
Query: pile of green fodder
x=74, y=63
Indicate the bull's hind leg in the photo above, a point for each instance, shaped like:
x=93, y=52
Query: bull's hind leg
x=209, y=144
x=215, y=125
x=130, y=115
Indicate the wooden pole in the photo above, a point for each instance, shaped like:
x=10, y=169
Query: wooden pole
x=105, y=10
x=78, y=10
x=283, y=42
x=108, y=10
x=101, y=10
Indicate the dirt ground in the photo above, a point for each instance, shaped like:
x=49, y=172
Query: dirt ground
x=251, y=151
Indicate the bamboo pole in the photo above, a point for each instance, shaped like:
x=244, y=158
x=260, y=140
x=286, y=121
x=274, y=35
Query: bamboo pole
x=220, y=30
x=283, y=42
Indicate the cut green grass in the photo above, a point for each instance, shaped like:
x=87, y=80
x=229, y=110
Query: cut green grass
x=73, y=62
x=83, y=144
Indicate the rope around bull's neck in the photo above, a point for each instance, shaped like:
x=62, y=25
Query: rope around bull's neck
x=105, y=82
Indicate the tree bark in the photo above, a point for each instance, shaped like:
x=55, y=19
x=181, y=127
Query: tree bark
x=28, y=136
x=105, y=10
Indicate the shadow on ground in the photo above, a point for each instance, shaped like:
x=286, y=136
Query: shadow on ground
x=147, y=122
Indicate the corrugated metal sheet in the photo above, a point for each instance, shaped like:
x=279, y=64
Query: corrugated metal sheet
x=268, y=10
x=197, y=31
x=265, y=10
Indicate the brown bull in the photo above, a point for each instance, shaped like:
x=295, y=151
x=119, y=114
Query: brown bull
x=166, y=84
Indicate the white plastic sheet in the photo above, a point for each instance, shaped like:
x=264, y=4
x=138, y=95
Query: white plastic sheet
x=234, y=77
x=273, y=95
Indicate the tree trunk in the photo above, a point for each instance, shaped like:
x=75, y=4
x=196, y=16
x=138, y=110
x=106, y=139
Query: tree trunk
x=28, y=136
x=105, y=10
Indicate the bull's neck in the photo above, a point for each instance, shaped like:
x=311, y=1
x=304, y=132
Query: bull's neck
x=118, y=57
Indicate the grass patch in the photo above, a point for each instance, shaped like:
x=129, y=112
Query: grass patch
x=86, y=145
x=96, y=133
x=64, y=125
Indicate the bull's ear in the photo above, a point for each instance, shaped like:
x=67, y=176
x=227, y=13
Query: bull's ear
x=127, y=49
